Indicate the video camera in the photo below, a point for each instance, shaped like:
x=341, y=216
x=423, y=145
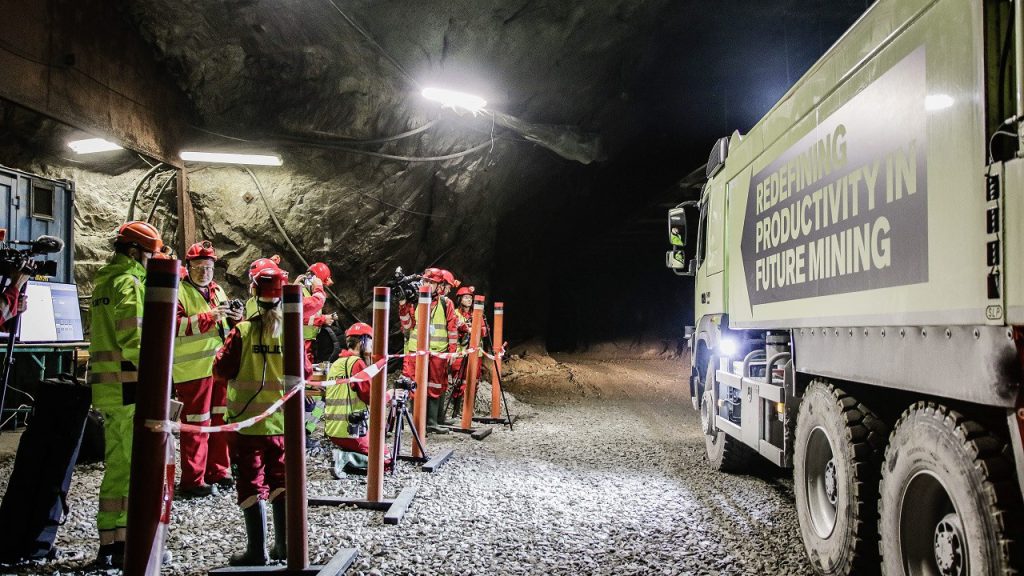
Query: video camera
x=405, y=383
x=13, y=260
x=405, y=287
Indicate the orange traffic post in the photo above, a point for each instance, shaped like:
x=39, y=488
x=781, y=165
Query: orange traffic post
x=375, y=471
x=422, y=366
x=469, y=396
x=295, y=430
x=496, y=345
x=149, y=493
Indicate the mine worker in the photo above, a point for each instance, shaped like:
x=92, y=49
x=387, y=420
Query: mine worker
x=202, y=325
x=313, y=282
x=251, y=363
x=442, y=337
x=464, y=310
x=116, y=329
x=350, y=434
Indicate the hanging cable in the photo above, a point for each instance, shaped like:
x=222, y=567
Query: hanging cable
x=284, y=234
x=326, y=137
x=396, y=156
x=374, y=43
x=156, y=197
x=135, y=194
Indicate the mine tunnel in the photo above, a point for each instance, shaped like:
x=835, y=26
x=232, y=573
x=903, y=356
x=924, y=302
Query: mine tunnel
x=530, y=287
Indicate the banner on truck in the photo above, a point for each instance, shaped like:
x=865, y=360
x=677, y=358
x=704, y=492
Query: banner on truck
x=845, y=209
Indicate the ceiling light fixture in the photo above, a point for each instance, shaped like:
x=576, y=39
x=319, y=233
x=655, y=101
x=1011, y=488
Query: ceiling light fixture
x=933, y=102
x=91, y=145
x=453, y=99
x=226, y=158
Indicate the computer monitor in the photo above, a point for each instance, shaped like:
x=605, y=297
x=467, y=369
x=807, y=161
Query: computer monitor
x=52, y=314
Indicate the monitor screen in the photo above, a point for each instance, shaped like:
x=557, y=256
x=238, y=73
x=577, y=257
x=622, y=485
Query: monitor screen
x=52, y=313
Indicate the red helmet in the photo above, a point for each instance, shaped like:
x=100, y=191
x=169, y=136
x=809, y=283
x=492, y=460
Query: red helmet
x=359, y=329
x=434, y=275
x=261, y=264
x=321, y=271
x=465, y=290
x=141, y=234
x=269, y=283
x=449, y=278
x=202, y=249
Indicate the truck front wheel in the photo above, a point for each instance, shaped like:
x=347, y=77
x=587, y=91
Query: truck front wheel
x=836, y=459
x=949, y=503
x=725, y=453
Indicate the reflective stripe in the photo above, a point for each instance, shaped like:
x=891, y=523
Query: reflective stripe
x=434, y=385
x=341, y=401
x=195, y=356
x=219, y=410
x=255, y=407
x=179, y=340
x=128, y=323
x=197, y=417
x=336, y=417
x=113, y=504
x=107, y=356
x=113, y=377
x=194, y=322
x=111, y=536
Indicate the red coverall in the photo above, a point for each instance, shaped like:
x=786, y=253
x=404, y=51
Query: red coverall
x=437, y=372
x=311, y=308
x=359, y=444
x=465, y=328
x=263, y=475
x=204, y=458
x=9, y=303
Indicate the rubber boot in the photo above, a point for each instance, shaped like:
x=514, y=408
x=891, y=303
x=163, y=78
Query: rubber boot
x=106, y=555
x=256, y=537
x=280, y=549
x=434, y=406
x=338, y=463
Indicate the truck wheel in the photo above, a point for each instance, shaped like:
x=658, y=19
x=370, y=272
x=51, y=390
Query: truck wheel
x=725, y=453
x=949, y=503
x=836, y=459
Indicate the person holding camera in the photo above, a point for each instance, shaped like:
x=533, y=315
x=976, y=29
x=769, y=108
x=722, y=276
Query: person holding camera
x=115, y=335
x=442, y=336
x=252, y=364
x=346, y=418
x=11, y=302
x=204, y=313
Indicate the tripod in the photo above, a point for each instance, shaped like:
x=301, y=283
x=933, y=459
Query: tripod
x=398, y=416
x=460, y=378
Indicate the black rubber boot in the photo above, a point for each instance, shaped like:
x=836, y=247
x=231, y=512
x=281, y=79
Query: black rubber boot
x=256, y=534
x=434, y=407
x=280, y=549
x=110, y=556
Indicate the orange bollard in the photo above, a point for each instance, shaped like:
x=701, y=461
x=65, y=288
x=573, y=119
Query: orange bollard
x=375, y=472
x=469, y=396
x=148, y=490
x=295, y=431
x=496, y=345
x=419, y=416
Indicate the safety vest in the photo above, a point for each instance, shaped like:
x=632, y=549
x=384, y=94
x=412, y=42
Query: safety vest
x=251, y=308
x=249, y=393
x=309, y=330
x=437, y=336
x=116, y=331
x=468, y=320
x=194, y=353
x=341, y=400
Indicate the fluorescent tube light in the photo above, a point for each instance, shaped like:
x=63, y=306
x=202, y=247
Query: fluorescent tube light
x=453, y=99
x=226, y=158
x=91, y=145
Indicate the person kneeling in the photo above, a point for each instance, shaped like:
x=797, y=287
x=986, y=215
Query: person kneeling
x=346, y=415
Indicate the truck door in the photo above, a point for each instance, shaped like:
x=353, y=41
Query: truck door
x=711, y=275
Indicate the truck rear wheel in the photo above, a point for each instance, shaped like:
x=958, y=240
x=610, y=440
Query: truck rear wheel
x=949, y=503
x=836, y=460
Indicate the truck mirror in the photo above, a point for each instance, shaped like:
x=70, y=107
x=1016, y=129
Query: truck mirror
x=677, y=261
x=677, y=227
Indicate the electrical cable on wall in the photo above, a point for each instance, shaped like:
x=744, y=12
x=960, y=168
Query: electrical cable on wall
x=138, y=187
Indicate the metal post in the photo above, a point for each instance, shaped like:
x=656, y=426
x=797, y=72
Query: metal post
x=422, y=368
x=469, y=396
x=147, y=488
x=496, y=346
x=295, y=431
x=375, y=473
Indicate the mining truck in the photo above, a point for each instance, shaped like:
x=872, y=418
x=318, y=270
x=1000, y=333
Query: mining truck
x=859, y=305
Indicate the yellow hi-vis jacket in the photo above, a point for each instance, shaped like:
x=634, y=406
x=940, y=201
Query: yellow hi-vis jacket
x=341, y=400
x=194, y=353
x=115, y=331
x=250, y=392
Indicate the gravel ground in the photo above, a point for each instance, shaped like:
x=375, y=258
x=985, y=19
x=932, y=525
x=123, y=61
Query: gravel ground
x=604, y=474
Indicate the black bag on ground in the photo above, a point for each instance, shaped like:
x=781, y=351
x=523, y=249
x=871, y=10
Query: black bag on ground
x=35, y=503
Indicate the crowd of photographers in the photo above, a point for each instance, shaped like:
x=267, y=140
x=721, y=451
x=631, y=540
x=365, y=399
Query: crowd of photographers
x=228, y=367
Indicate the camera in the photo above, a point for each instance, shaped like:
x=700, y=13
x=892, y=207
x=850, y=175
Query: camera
x=359, y=423
x=405, y=287
x=405, y=383
x=236, y=305
x=13, y=260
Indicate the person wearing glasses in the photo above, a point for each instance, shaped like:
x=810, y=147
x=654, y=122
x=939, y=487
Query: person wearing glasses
x=204, y=319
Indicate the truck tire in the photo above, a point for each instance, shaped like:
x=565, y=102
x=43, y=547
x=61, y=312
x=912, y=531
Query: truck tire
x=725, y=453
x=949, y=502
x=837, y=456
